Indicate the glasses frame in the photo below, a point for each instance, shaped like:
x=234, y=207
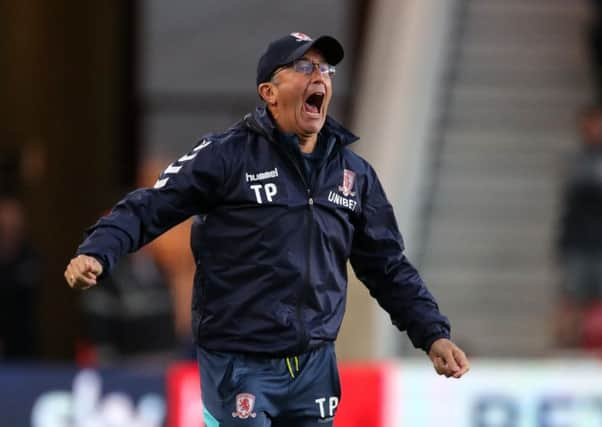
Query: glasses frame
x=301, y=66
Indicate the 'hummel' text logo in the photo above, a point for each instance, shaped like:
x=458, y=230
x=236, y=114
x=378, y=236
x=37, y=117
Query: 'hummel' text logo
x=251, y=177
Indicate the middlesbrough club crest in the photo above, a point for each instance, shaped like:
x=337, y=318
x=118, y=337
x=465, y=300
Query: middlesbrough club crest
x=301, y=37
x=245, y=402
x=348, y=181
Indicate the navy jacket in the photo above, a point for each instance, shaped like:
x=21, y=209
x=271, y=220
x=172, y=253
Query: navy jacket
x=271, y=248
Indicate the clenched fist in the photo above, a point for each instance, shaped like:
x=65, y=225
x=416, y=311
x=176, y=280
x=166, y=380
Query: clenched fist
x=448, y=359
x=82, y=272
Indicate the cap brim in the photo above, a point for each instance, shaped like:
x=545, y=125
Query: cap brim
x=329, y=47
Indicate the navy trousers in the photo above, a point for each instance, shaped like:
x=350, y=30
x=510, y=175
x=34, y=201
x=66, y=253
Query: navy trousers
x=242, y=390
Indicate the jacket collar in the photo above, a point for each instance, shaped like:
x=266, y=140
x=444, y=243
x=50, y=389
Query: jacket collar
x=261, y=122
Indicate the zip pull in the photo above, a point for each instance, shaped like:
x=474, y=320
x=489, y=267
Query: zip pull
x=310, y=201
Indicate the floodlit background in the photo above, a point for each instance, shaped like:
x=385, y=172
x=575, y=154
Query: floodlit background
x=481, y=117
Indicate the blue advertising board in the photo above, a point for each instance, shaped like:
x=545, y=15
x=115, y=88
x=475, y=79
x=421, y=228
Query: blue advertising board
x=64, y=396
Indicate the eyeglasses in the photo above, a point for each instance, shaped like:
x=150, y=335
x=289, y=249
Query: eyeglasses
x=305, y=66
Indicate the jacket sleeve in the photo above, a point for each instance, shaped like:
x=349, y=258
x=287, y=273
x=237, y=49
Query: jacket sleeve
x=190, y=185
x=379, y=262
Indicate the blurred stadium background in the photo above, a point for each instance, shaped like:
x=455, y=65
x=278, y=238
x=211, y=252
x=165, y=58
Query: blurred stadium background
x=467, y=108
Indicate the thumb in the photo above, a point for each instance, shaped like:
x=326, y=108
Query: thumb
x=93, y=266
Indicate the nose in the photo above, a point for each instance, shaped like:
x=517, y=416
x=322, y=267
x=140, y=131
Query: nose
x=316, y=75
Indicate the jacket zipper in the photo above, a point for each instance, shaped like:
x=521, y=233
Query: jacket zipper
x=303, y=338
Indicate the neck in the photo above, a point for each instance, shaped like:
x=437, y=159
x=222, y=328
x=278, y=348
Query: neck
x=307, y=143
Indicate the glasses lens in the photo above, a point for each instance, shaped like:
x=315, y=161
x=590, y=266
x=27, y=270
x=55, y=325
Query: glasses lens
x=304, y=66
x=327, y=69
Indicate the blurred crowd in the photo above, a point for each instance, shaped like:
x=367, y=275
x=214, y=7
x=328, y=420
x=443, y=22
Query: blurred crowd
x=580, y=240
x=141, y=313
x=20, y=275
x=579, y=244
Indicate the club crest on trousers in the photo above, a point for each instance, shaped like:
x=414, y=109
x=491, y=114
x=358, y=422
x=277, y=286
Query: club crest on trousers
x=245, y=402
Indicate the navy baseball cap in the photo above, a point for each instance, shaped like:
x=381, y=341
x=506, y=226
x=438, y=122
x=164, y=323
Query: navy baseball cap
x=293, y=46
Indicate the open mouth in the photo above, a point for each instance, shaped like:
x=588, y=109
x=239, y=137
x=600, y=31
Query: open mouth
x=313, y=103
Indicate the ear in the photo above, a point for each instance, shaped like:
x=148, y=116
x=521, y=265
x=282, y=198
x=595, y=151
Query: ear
x=268, y=92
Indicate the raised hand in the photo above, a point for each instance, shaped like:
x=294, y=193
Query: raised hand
x=82, y=272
